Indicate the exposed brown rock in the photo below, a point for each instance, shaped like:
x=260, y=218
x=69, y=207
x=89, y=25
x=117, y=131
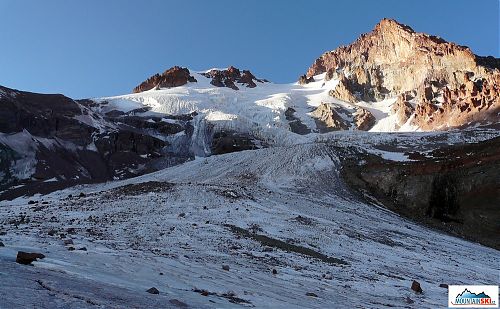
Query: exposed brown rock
x=173, y=77
x=402, y=108
x=476, y=100
x=396, y=58
x=304, y=80
x=393, y=59
x=344, y=91
x=327, y=119
x=363, y=119
x=415, y=286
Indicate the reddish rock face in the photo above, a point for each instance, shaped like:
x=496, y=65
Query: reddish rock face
x=363, y=119
x=327, y=119
x=403, y=109
x=473, y=101
x=450, y=85
x=230, y=76
x=344, y=91
x=173, y=77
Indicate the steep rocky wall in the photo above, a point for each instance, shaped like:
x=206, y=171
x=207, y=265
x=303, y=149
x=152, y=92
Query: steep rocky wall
x=458, y=190
x=49, y=141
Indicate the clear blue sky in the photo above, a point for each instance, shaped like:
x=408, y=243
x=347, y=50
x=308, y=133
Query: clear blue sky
x=93, y=48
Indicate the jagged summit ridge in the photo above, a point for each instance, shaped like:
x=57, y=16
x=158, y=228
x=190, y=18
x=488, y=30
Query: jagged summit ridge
x=173, y=77
x=449, y=83
x=179, y=76
x=384, y=58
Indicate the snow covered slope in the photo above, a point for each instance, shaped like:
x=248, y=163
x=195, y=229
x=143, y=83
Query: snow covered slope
x=282, y=209
x=259, y=111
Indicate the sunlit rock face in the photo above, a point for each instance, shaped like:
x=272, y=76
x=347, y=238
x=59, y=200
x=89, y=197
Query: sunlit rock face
x=173, y=77
x=449, y=84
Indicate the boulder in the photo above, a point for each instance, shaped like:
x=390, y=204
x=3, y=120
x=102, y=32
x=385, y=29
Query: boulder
x=415, y=286
x=153, y=290
x=26, y=258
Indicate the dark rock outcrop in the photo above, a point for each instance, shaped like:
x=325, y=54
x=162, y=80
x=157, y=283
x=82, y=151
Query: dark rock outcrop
x=227, y=141
x=296, y=125
x=173, y=77
x=52, y=137
x=43, y=115
x=452, y=188
x=232, y=76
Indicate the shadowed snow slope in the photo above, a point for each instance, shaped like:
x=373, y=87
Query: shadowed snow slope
x=282, y=208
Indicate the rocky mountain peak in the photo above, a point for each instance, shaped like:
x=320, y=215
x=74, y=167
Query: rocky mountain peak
x=391, y=25
x=174, y=77
x=394, y=60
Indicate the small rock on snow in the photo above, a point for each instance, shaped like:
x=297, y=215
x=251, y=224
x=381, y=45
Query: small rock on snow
x=415, y=286
x=178, y=303
x=26, y=258
x=153, y=290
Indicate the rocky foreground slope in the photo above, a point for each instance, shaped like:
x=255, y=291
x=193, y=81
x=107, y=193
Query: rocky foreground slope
x=267, y=228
